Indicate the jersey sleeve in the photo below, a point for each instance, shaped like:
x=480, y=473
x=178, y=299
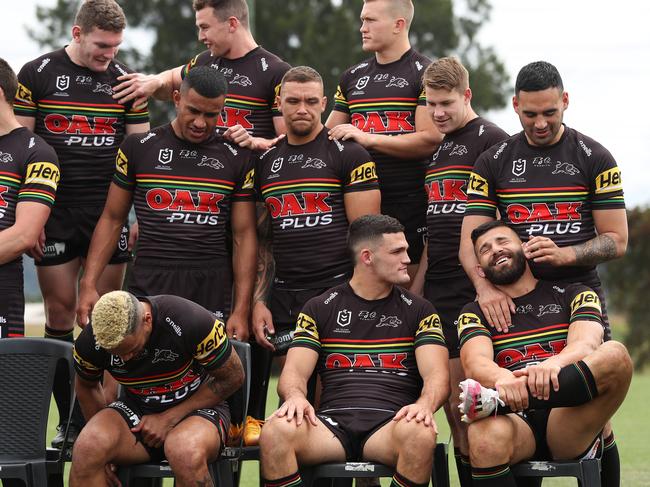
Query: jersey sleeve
x=340, y=101
x=88, y=358
x=206, y=335
x=245, y=185
x=584, y=304
x=306, y=334
x=41, y=175
x=471, y=323
x=279, y=71
x=124, y=175
x=198, y=60
x=133, y=115
x=360, y=172
x=27, y=95
x=606, y=185
x=429, y=330
x=481, y=193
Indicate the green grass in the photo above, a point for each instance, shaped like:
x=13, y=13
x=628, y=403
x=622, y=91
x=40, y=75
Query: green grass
x=631, y=427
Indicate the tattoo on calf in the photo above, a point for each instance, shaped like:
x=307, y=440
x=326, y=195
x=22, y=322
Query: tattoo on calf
x=599, y=249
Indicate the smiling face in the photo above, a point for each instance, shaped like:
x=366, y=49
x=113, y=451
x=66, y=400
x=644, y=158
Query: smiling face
x=213, y=32
x=500, y=256
x=302, y=105
x=96, y=48
x=448, y=109
x=541, y=113
x=196, y=115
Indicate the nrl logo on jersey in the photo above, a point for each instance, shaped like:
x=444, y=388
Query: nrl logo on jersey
x=62, y=82
x=344, y=318
x=398, y=82
x=314, y=162
x=362, y=82
x=241, y=80
x=6, y=157
x=277, y=165
x=165, y=155
x=210, y=162
x=103, y=88
x=519, y=167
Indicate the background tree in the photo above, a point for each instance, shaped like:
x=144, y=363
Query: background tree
x=320, y=33
x=628, y=282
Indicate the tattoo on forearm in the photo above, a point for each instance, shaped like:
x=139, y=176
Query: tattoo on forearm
x=266, y=264
x=226, y=379
x=595, y=251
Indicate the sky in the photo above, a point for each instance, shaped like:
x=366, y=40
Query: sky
x=598, y=46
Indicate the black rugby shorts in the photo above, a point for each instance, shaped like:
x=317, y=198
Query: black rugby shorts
x=68, y=232
x=12, y=308
x=286, y=304
x=411, y=211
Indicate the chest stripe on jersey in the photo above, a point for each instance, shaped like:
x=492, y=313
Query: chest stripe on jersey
x=69, y=107
x=156, y=180
x=10, y=179
x=301, y=185
x=448, y=171
x=155, y=379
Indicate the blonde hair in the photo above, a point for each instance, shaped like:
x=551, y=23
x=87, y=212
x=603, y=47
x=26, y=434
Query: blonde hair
x=446, y=73
x=116, y=315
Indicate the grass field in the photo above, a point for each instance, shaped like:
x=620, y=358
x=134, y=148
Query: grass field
x=631, y=426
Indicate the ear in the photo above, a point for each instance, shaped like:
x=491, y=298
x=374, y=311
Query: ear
x=565, y=100
x=278, y=101
x=467, y=96
x=400, y=25
x=176, y=96
x=366, y=256
x=76, y=33
x=323, y=103
x=515, y=104
x=479, y=271
x=233, y=24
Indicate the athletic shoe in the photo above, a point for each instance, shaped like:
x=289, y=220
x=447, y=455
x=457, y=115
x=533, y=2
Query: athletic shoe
x=476, y=401
x=252, y=431
x=73, y=432
x=234, y=434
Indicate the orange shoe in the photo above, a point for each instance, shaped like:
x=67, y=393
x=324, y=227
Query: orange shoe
x=234, y=434
x=252, y=431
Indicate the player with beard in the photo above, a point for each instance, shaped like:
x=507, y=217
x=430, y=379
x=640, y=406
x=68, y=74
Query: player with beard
x=446, y=286
x=312, y=187
x=65, y=96
x=552, y=381
x=379, y=351
x=380, y=104
x=252, y=72
x=561, y=191
x=187, y=185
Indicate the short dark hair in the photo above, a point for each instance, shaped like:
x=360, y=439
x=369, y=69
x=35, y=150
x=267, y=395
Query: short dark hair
x=8, y=81
x=104, y=14
x=223, y=9
x=301, y=74
x=486, y=227
x=370, y=228
x=206, y=81
x=538, y=76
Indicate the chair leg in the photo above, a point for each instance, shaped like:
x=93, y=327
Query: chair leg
x=440, y=474
x=590, y=473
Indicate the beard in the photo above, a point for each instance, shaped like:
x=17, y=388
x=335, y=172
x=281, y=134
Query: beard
x=509, y=274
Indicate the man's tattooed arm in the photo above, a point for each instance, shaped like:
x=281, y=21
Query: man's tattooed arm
x=225, y=380
x=595, y=251
x=265, y=262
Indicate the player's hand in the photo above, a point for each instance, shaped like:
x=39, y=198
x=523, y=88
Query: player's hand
x=154, y=428
x=298, y=408
x=513, y=391
x=540, y=377
x=496, y=305
x=136, y=86
x=111, y=477
x=88, y=296
x=237, y=327
x=134, y=233
x=239, y=135
x=262, y=324
x=542, y=250
x=347, y=131
x=37, y=252
x=418, y=412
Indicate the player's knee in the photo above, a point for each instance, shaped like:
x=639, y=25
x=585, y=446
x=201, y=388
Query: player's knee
x=93, y=446
x=185, y=451
x=60, y=311
x=489, y=438
x=618, y=364
x=277, y=431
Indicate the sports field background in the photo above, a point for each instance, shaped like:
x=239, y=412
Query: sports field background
x=631, y=426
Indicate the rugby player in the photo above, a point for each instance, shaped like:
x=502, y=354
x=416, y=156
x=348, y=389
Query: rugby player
x=312, y=188
x=65, y=96
x=29, y=175
x=446, y=286
x=558, y=381
x=561, y=191
x=177, y=367
x=383, y=96
x=187, y=185
x=381, y=356
x=252, y=72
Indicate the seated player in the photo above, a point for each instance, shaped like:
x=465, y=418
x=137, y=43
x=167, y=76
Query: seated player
x=383, y=363
x=177, y=367
x=553, y=382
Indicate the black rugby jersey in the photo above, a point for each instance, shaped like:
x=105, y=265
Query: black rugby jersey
x=183, y=192
x=29, y=171
x=186, y=340
x=253, y=83
x=381, y=99
x=76, y=114
x=540, y=324
x=367, y=348
x=302, y=187
x=548, y=191
x=446, y=185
